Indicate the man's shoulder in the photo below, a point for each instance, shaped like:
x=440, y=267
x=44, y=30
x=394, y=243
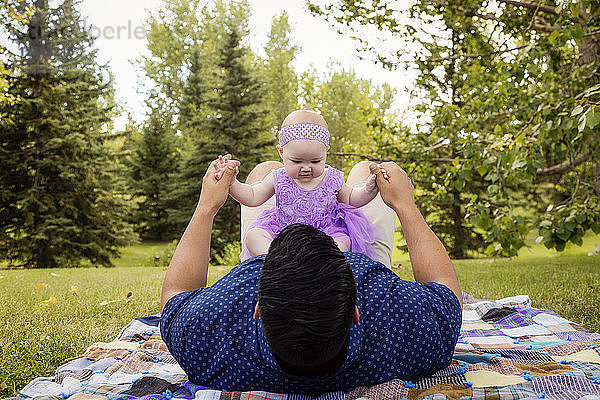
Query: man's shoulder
x=363, y=266
x=238, y=286
x=376, y=280
x=392, y=310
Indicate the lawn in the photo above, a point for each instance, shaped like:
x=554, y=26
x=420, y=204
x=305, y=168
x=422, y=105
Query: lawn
x=89, y=305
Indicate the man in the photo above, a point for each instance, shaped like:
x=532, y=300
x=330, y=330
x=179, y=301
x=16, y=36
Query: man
x=307, y=318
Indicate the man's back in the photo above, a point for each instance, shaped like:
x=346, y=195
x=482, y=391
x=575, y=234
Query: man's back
x=406, y=329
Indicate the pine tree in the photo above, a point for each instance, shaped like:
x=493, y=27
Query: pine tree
x=282, y=82
x=185, y=189
x=239, y=128
x=154, y=161
x=57, y=205
x=236, y=125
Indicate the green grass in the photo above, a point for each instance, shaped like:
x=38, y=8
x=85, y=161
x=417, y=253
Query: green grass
x=37, y=338
x=141, y=255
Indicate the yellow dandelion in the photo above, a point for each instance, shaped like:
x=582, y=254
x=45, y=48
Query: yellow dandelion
x=42, y=285
x=51, y=300
x=74, y=289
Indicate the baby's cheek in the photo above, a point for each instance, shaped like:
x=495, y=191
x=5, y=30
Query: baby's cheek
x=318, y=170
x=290, y=170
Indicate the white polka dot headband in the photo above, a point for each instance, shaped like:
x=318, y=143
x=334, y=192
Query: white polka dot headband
x=304, y=131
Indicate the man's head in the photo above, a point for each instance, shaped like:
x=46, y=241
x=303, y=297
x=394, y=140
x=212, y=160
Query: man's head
x=306, y=301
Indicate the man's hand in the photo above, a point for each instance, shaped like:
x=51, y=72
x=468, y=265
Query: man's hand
x=214, y=191
x=395, y=186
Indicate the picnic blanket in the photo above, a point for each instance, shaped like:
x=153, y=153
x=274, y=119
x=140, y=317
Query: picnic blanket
x=507, y=350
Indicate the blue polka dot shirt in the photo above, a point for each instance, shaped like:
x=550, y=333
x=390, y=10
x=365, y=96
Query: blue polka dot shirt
x=406, y=329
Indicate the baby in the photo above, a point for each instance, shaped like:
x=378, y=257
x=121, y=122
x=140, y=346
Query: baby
x=307, y=191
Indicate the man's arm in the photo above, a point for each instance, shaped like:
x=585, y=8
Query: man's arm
x=189, y=266
x=429, y=259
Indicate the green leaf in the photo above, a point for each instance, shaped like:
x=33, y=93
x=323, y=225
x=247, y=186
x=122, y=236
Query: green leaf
x=596, y=228
x=574, y=10
x=567, y=124
x=490, y=250
x=553, y=36
x=518, y=164
x=498, y=130
x=592, y=90
x=482, y=169
x=582, y=123
x=577, y=32
x=563, y=235
x=593, y=118
x=578, y=110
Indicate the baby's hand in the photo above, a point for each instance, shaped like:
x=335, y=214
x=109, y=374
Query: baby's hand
x=221, y=163
x=371, y=185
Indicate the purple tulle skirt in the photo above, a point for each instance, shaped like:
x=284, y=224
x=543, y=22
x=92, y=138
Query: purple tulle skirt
x=347, y=221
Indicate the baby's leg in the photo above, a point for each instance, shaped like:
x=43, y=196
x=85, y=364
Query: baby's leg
x=343, y=242
x=258, y=241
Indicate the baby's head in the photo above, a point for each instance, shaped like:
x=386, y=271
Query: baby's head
x=303, y=144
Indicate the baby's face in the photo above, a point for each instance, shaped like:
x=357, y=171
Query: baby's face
x=303, y=159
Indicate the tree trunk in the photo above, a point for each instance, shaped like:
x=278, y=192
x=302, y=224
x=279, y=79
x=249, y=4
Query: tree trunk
x=37, y=33
x=458, y=232
x=40, y=258
x=589, y=52
x=597, y=181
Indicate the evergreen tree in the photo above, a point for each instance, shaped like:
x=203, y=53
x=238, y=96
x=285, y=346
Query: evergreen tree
x=239, y=127
x=193, y=125
x=236, y=125
x=179, y=27
x=57, y=205
x=281, y=79
x=154, y=161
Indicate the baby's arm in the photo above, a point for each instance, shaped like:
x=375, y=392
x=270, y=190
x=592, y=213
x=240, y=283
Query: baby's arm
x=358, y=197
x=253, y=196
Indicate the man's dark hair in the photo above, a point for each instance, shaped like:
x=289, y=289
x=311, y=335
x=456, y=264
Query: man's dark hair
x=306, y=301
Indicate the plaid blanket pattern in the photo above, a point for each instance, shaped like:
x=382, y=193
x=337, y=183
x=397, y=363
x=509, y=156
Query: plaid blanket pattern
x=524, y=353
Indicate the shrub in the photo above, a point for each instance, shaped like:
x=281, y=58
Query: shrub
x=230, y=254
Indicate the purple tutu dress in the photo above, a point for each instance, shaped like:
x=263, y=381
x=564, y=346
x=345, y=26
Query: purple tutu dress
x=318, y=207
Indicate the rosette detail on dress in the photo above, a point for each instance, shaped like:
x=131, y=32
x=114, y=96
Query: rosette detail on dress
x=318, y=207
